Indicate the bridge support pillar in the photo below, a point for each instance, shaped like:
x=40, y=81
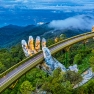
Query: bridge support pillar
x=13, y=85
x=92, y=30
x=84, y=44
x=67, y=55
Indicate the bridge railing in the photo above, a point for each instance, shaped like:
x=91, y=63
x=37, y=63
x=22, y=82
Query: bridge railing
x=69, y=39
x=24, y=60
x=18, y=64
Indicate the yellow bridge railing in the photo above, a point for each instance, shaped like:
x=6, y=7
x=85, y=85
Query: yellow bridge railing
x=53, y=48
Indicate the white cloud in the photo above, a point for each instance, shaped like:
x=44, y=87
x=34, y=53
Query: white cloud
x=50, y=4
x=23, y=1
x=81, y=22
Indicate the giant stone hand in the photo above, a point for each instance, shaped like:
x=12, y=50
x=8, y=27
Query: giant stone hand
x=30, y=49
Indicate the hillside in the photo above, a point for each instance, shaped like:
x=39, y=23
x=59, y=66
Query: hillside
x=39, y=79
x=12, y=34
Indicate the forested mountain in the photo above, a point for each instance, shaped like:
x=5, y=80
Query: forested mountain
x=12, y=34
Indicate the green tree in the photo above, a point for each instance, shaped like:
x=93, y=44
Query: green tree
x=62, y=36
x=92, y=62
x=10, y=57
x=73, y=77
x=90, y=87
x=35, y=76
x=77, y=59
x=56, y=83
x=92, y=51
x=79, y=90
x=50, y=42
x=26, y=87
x=87, y=88
x=2, y=67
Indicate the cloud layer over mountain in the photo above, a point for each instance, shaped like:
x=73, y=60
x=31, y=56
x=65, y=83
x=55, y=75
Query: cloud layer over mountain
x=76, y=22
x=48, y=4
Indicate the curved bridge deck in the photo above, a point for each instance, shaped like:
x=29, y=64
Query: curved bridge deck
x=15, y=74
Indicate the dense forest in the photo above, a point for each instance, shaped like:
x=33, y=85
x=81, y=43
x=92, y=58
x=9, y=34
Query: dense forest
x=37, y=81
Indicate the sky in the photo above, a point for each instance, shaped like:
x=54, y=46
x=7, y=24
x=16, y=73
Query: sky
x=47, y=4
x=20, y=12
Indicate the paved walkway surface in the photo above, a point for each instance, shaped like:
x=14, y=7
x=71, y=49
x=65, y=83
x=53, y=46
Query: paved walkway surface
x=87, y=75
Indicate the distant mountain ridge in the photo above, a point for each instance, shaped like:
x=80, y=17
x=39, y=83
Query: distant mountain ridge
x=12, y=34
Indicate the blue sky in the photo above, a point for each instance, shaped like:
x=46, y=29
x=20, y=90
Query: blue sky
x=11, y=10
x=48, y=4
